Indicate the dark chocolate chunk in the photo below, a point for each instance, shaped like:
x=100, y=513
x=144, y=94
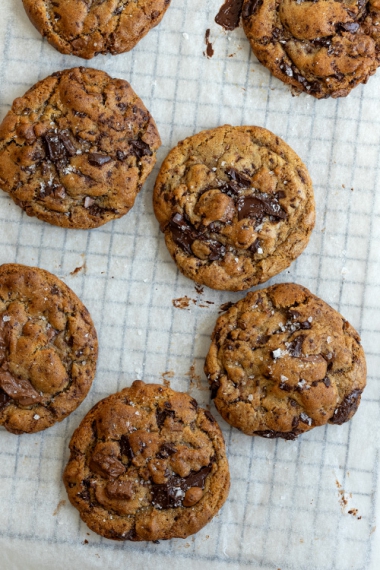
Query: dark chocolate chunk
x=305, y=325
x=19, y=389
x=347, y=408
x=226, y=306
x=210, y=417
x=209, y=48
x=351, y=27
x=106, y=465
x=257, y=207
x=251, y=7
x=166, y=450
x=229, y=14
x=326, y=381
x=214, y=388
x=125, y=447
x=4, y=399
x=171, y=494
x=96, y=159
x=183, y=234
x=140, y=148
x=271, y=434
x=161, y=416
x=85, y=494
x=295, y=347
x=217, y=250
x=238, y=177
x=59, y=146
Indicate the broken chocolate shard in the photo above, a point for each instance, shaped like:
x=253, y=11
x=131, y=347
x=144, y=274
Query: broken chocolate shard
x=214, y=389
x=238, y=177
x=209, y=416
x=271, y=434
x=97, y=159
x=140, y=148
x=106, y=465
x=251, y=7
x=59, y=146
x=258, y=207
x=161, y=416
x=295, y=347
x=218, y=250
x=166, y=450
x=171, y=494
x=125, y=447
x=4, y=400
x=351, y=27
x=18, y=389
x=229, y=14
x=183, y=234
x=347, y=408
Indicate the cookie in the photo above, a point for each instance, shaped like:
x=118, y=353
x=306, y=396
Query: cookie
x=48, y=349
x=76, y=149
x=86, y=29
x=282, y=362
x=324, y=48
x=147, y=464
x=236, y=205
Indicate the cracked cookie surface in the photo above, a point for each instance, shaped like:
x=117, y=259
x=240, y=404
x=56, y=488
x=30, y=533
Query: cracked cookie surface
x=147, y=464
x=323, y=47
x=86, y=28
x=48, y=349
x=236, y=205
x=282, y=362
x=76, y=149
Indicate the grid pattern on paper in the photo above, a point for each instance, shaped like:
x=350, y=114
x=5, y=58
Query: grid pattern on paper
x=285, y=509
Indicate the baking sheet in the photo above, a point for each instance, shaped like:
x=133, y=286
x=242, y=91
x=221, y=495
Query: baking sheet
x=309, y=504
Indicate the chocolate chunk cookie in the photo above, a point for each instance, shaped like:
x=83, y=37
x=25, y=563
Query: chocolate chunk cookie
x=236, y=205
x=76, y=149
x=147, y=464
x=48, y=349
x=282, y=362
x=322, y=47
x=86, y=29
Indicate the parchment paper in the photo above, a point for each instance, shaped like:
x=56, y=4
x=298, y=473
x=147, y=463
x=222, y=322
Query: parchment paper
x=309, y=504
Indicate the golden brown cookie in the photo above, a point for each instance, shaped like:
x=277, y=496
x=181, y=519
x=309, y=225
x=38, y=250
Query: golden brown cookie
x=236, y=205
x=48, y=349
x=282, y=361
x=76, y=149
x=147, y=464
x=86, y=29
x=324, y=47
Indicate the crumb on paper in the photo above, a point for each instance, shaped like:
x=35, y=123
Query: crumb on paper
x=78, y=269
x=343, y=500
x=85, y=541
x=165, y=377
x=59, y=506
x=182, y=302
x=199, y=289
x=195, y=379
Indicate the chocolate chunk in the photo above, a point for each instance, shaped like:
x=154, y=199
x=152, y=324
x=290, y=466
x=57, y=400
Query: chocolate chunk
x=305, y=325
x=19, y=389
x=251, y=7
x=171, y=494
x=121, y=490
x=4, y=400
x=166, y=450
x=218, y=250
x=59, y=145
x=131, y=535
x=209, y=48
x=229, y=14
x=125, y=447
x=183, y=234
x=295, y=347
x=255, y=207
x=85, y=494
x=226, y=306
x=214, y=389
x=161, y=416
x=239, y=178
x=326, y=381
x=271, y=434
x=210, y=417
x=96, y=159
x=351, y=27
x=347, y=408
x=295, y=421
x=255, y=246
x=106, y=465
x=140, y=148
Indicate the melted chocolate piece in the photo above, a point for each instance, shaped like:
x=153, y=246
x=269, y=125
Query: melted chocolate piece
x=161, y=416
x=18, y=389
x=96, y=159
x=59, y=146
x=166, y=450
x=271, y=434
x=229, y=14
x=217, y=250
x=209, y=48
x=210, y=417
x=226, y=306
x=295, y=347
x=351, y=27
x=106, y=465
x=121, y=490
x=290, y=71
x=125, y=447
x=257, y=207
x=239, y=178
x=347, y=408
x=85, y=494
x=214, y=389
x=251, y=7
x=305, y=325
x=140, y=148
x=4, y=400
x=171, y=494
x=183, y=234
